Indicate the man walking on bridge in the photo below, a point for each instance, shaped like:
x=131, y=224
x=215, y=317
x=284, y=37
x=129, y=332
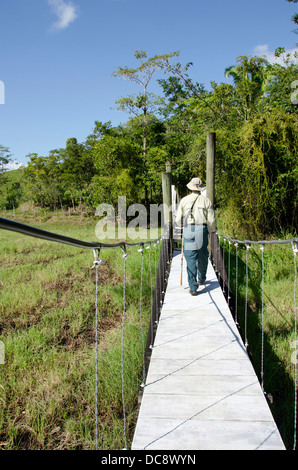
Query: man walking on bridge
x=197, y=214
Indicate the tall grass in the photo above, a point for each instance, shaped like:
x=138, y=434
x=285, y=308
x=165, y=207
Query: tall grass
x=47, y=325
x=268, y=324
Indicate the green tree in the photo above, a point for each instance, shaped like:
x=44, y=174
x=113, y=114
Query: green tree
x=13, y=195
x=147, y=172
x=256, y=162
x=41, y=180
x=144, y=103
x=295, y=17
x=249, y=80
x=77, y=169
x=280, y=80
x=116, y=160
x=5, y=158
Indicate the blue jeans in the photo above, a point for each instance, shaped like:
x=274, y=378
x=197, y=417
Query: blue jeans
x=195, y=238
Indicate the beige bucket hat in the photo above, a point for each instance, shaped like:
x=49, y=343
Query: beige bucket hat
x=196, y=185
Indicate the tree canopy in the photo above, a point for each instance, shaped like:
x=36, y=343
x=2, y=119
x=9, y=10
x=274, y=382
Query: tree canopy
x=253, y=114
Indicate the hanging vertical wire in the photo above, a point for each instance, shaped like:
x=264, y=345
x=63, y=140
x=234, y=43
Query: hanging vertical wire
x=246, y=295
x=160, y=278
x=159, y=300
x=236, y=288
x=141, y=250
x=262, y=329
x=96, y=353
x=96, y=264
x=223, y=268
x=151, y=294
x=218, y=265
x=295, y=251
x=155, y=259
x=164, y=265
x=155, y=278
x=162, y=274
x=170, y=253
x=229, y=268
x=122, y=349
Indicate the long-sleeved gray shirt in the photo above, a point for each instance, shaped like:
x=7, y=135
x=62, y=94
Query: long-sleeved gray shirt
x=203, y=212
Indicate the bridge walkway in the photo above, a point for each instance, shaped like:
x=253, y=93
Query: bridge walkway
x=201, y=390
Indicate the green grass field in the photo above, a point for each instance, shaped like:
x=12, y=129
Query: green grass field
x=47, y=384
x=47, y=325
x=273, y=352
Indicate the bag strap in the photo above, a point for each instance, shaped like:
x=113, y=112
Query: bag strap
x=193, y=204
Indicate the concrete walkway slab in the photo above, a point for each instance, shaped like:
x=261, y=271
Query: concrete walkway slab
x=201, y=390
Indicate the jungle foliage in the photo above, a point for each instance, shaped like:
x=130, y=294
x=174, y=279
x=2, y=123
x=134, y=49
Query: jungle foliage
x=255, y=120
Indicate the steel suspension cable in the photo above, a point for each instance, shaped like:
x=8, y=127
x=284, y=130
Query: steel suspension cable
x=236, y=293
x=96, y=342
x=141, y=250
x=248, y=244
x=14, y=226
x=259, y=242
x=151, y=294
x=125, y=255
x=159, y=278
x=229, y=269
x=224, y=271
x=246, y=295
x=156, y=298
x=262, y=321
x=97, y=263
x=295, y=251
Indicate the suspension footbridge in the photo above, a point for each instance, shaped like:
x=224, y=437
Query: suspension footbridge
x=201, y=390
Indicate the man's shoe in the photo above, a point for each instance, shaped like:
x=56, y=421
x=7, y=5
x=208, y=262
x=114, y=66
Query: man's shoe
x=193, y=292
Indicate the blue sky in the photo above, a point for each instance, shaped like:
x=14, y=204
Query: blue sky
x=57, y=56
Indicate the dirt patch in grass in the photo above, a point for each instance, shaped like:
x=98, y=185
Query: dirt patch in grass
x=19, y=321
x=60, y=292
x=106, y=275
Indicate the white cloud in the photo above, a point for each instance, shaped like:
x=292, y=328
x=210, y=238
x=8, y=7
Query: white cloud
x=13, y=165
x=263, y=50
x=66, y=13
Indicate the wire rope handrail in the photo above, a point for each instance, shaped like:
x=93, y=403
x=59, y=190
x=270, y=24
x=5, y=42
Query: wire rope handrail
x=156, y=302
x=219, y=263
x=258, y=242
x=14, y=226
x=159, y=291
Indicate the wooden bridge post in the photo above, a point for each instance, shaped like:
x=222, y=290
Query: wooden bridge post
x=210, y=167
x=167, y=198
x=217, y=255
x=210, y=190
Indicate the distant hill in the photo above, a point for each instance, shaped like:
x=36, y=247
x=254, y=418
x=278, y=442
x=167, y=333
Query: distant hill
x=13, y=176
x=7, y=192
